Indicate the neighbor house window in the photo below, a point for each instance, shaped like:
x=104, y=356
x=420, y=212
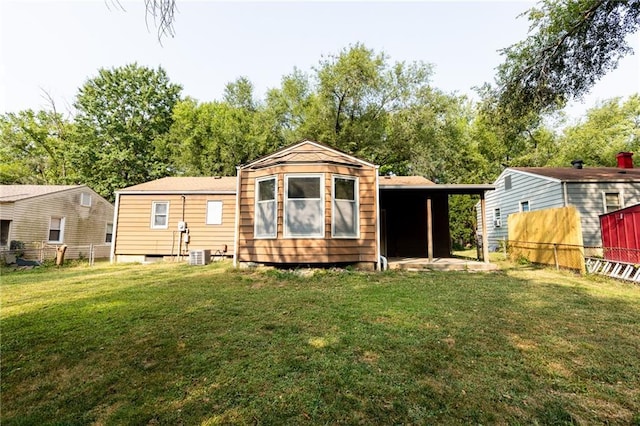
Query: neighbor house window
x=85, y=199
x=344, y=219
x=497, y=218
x=109, y=234
x=611, y=201
x=266, y=219
x=524, y=206
x=507, y=182
x=304, y=206
x=160, y=215
x=214, y=212
x=56, y=229
x=4, y=232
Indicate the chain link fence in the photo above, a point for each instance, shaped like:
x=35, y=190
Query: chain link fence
x=39, y=252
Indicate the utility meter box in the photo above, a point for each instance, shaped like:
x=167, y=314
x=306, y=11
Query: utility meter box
x=182, y=226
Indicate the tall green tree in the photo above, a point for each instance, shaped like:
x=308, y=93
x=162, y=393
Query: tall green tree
x=571, y=45
x=35, y=147
x=608, y=128
x=121, y=115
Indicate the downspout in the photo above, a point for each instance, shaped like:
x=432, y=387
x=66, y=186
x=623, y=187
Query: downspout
x=564, y=193
x=236, y=236
x=377, y=210
x=112, y=254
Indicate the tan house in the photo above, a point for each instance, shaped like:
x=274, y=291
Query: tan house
x=308, y=203
x=168, y=217
x=304, y=204
x=46, y=215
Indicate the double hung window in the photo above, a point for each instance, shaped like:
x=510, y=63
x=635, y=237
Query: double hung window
x=160, y=215
x=266, y=220
x=304, y=206
x=345, y=220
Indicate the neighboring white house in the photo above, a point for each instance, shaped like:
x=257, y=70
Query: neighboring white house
x=592, y=190
x=74, y=215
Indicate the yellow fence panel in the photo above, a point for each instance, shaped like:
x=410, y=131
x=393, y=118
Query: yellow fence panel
x=550, y=236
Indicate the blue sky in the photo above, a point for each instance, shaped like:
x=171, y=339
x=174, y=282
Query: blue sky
x=57, y=45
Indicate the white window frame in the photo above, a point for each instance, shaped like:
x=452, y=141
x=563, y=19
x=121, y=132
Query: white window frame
x=61, y=237
x=154, y=205
x=604, y=200
x=106, y=232
x=214, y=214
x=356, y=201
x=320, y=176
x=256, y=204
x=497, y=217
x=528, y=206
x=84, y=196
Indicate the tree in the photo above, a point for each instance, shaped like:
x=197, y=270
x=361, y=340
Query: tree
x=34, y=148
x=121, y=114
x=572, y=44
x=609, y=128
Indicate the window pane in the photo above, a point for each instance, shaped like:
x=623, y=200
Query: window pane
x=54, y=235
x=345, y=218
x=267, y=190
x=524, y=206
x=161, y=208
x=345, y=189
x=160, y=220
x=304, y=218
x=266, y=219
x=55, y=223
x=303, y=187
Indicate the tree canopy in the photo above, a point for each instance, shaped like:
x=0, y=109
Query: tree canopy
x=571, y=45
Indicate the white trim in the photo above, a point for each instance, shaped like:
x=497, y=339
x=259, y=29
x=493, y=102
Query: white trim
x=497, y=221
x=356, y=196
x=112, y=254
x=176, y=192
x=153, y=215
x=520, y=206
x=320, y=176
x=82, y=199
x=509, y=169
x=604, y=199
x=306, y=141
x=60, y=239
x=237, y=218
x=255, y=207
x=216, y=220
x=106, y=228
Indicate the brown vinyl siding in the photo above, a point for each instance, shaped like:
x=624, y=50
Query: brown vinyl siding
x=309, y=250
x=134, y=235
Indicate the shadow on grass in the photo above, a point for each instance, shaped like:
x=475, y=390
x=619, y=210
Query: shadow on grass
x=197, y=346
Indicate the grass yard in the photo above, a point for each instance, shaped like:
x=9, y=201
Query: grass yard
x=177, y=344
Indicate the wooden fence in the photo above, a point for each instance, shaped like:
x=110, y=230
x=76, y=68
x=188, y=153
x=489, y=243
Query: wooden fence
x=550, y=236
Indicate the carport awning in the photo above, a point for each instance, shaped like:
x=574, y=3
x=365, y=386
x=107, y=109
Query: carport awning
x=453, y=189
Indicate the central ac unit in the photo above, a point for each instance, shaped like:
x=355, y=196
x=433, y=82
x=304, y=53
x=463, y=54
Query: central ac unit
x=199, y=257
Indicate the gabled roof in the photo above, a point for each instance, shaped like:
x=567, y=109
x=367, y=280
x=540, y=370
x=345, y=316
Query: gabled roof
x=10, y=193
x=586, y=174
x=307, y=152
x=181, y=184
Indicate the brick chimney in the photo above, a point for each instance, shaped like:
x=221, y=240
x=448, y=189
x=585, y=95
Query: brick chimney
x=624, y=160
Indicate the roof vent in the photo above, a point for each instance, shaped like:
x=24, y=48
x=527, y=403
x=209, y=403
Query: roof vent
x=577, y=164
x=625, y=160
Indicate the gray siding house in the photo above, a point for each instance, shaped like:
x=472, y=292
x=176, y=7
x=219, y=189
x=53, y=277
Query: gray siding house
x=592, y=190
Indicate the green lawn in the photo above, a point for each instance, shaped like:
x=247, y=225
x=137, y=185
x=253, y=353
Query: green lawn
x=177, y=344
